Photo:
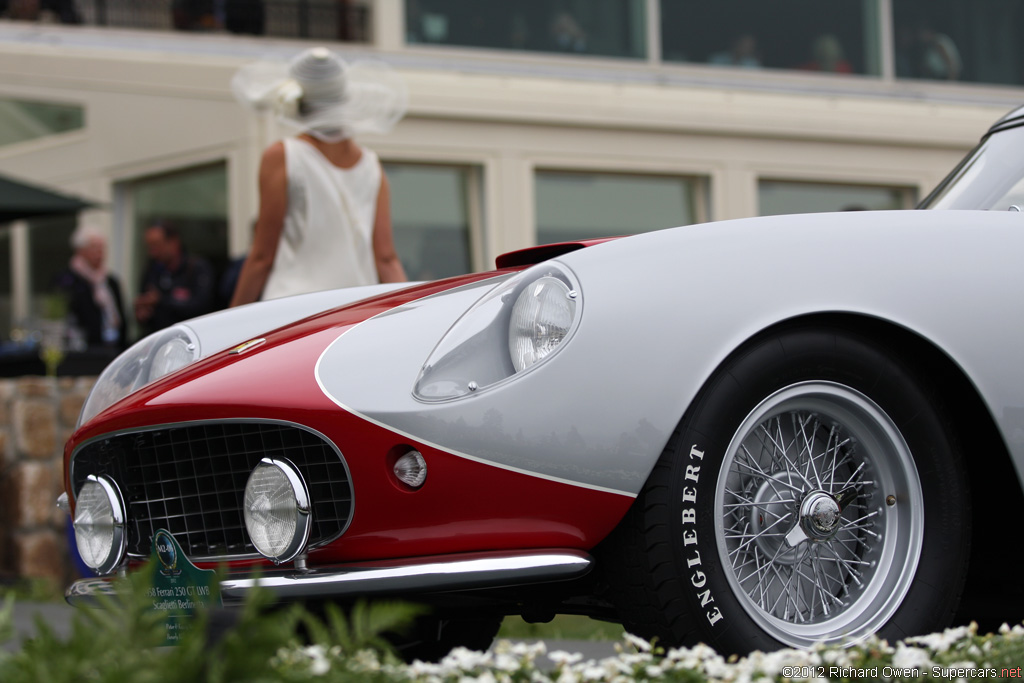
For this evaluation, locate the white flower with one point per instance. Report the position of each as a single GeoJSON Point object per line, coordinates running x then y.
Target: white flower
{"type": "Point", "coordinates": [318, 664]}
{"type": "Point", "coordinates": [463, 659]}
{"type": "Point", "coordinates": [286, 98]}
{"type": "Point", "coordinates": [911, 657]}
{"type": "Point", "coordinates": [563, 658]}
{"type": "Point", "coordinates": [363, 660]}
{"type": "Point", "coordinates": [637, 642]}
{"type": "Point", "coordinates": [485, 677]}
{"type": "Point", "coordinates": [940, 642]}
{"type": "Point", "coordinates": [568, 675]}
{"type": "Point", "coordinates": [529, 650]}
{"type": "Point", "coordinates": [506, 662]}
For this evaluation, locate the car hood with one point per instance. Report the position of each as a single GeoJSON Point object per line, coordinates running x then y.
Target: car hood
{"type": "Point", "coordinates": [224, 329]}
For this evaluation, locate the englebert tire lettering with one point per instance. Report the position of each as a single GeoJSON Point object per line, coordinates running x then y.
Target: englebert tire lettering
{"type": "Point", "coordinates": [811, 492]}
{"type": "Point", "coordinates": [689, 516]}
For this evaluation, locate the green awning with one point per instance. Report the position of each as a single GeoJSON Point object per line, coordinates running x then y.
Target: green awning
{"type": "Point", "coordinates": [20, 200]}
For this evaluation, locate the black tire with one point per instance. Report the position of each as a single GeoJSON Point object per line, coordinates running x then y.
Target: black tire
{"type": "Point", "coordinates": [730, 545]}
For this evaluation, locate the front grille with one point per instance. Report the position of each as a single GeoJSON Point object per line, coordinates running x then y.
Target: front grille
{"type": "Point", "coordinates": [190, 479]}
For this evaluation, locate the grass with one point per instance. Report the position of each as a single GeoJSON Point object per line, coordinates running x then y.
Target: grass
{"type": "Point", "coordinates": [32, 590]}
{"type": "Point", "coordinates": [562, 627]}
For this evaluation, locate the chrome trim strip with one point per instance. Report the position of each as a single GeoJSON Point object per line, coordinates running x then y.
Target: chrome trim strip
{"type": "Point", "coordinates": [246, 346]}
{"type": "Point", "coordinates": [480, 570]}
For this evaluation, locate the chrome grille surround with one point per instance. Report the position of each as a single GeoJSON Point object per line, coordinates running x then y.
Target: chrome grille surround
{"type": "Point", "coordinates": [189, 478]}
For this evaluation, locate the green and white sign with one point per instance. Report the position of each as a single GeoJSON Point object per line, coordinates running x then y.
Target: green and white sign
{"type": "Point", "coordinates": [179, 587]}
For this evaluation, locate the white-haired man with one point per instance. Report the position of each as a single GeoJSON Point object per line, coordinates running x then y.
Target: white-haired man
{"type": "Point", "coordinates": [93, 294]}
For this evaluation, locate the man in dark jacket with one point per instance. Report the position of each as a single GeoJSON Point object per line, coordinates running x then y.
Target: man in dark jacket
{"type": "Point", "coordinates": [176, 285]}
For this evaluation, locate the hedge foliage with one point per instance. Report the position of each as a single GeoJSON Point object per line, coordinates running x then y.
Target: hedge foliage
{"type": "Point", "coordinates": [122, 643]}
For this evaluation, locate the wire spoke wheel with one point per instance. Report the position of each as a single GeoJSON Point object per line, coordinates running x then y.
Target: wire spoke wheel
{"type": "Point", "coordinates": [819, 516]}
{"type": "Point", "coordinates": [813, 491]}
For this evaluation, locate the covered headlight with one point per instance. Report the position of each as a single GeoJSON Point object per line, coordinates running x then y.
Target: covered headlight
{"type": "Point", "coordinates": [277, 510]}
{"type": "Point", "coordinates": [99, 524]}
{"type": "Point", "coordinates": [159, 354]}
{"type": "Point", "coordinates": [512, 328]}
{"type": "Point", "coordinates": [541, 318]}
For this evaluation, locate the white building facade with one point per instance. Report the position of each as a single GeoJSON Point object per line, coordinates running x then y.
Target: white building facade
{"type": "Point", "coordinates": [514, 136]}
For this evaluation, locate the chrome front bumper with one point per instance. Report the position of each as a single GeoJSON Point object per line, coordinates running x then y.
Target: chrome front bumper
{"type": "Point", "coordinates": [397, 578]}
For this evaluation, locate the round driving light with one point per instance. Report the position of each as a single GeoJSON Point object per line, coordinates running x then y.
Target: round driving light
{"type": "Point", "coordinates": [277, 510]}
{"type": "Point", "coordinates": [99, 524]}
{"type": "Point", "coordinates": [541, 319]}
{"type": "Point", "coordinates": [411, 469]}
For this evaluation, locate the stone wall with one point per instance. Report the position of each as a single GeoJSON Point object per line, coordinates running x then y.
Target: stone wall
{"type": "Point", "coordinates": [37, 415]}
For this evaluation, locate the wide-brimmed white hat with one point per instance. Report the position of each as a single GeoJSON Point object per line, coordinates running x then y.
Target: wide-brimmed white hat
{"type": "Point", "coordinates": [319, 93]}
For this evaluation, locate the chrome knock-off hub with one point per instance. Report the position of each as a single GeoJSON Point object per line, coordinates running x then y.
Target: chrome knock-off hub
{"type": "Point", "coordinates": [819, 515]}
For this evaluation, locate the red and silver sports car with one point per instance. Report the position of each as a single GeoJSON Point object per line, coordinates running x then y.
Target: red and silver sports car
{"type": "Point", "coordinates": [762, 432]}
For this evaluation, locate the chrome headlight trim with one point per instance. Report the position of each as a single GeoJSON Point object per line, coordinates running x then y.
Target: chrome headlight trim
{"type": "Point", "coordinates": [159, 354]}
{"type": "Point", "coordinates": [119, 538]}
{"type": "Point", "coordinates": [476, 353]}
{"type": "Point", "coordinates": [303, 509]}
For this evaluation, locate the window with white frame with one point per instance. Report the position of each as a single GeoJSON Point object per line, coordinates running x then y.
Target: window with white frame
{"type": "Point", "coordinates": [436, 221]}
{"type": "Point", "coordinates": [43, 252]}
{"type": "Point", "coordinates": [22, 120]}
{"type": "Point", "coordinates": [840, 36]}
{"type": "Point", "coordinates": [49, 242]}
{"type": "Point", "coordinates": [777, 197]}
{"type": "Point", "coordinates": [6, 302]}
{"type": "Point", "coordinates": [194, 200]}
{"type": "Point", "coordinates": [609, 28]}
{"type": "Point", "coordinates": [572, 205]}
{"type": "Point", "coordinates": [959, 40]}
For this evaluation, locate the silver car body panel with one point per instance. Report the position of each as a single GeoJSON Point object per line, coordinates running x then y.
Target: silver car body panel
{"type": "Point", "coordinates": [225, 329]}
{"type": "Point", "coordinates": [662, 310]}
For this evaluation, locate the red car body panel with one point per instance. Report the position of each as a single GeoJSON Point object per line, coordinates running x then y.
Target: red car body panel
{"type": "Point", "coordinates": [464, 506]}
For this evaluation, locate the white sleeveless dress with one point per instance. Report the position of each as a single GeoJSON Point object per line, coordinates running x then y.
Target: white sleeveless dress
{"type": "Point", "coordinates": [327, 239]}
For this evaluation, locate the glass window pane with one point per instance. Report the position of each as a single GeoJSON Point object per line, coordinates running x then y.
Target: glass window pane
{"type": "Point", "coordinates": [430, 216]}
{"type": "Point", "coordinates": [346, 20]}
{"type": "Point", "coordinates": [49, 242]}
{"type": "Point", "coordinates": [777, 197]}
{"type": "Point", "coordinates": [572, 206]}
{"type": "Point", "coordinates": [610, 28]}
{"type": "Point", "coordinates": [957, 40]}
{"type": "Point", "coordinates": [195, 202]}
{"type": "Point", "coordinates": [839, 36]}
{"type": "Point", "coordinates": [6, 273]}
{"type": "Point", "coordinates": [22, 120]}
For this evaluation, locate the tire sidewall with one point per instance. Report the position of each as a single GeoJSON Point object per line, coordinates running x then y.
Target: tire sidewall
{"type": "Point", "coordinates": [707, 431]}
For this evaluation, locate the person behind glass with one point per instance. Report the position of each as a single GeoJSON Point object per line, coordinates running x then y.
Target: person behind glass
{"type": "Point", "coordinates": [742, 52]}
{"type": "Point", "coordinates": [46, 11]}
{"type": "Point", "coordinates": [176, 285]}
{"type": "Point", "coordinates": [566, 34]}
{"type": "Point", "coordinates": [324, 214]}
{"type": "Point", "coordinates": [93, 294]}
{"type": "Point", "coordinates": [939, 57]}
{"type": "Point", "coordinates": [827, 55]}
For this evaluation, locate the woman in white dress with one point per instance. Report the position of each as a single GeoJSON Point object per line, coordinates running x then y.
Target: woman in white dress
{"type": "Point", "coordinates": [324, 220]}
